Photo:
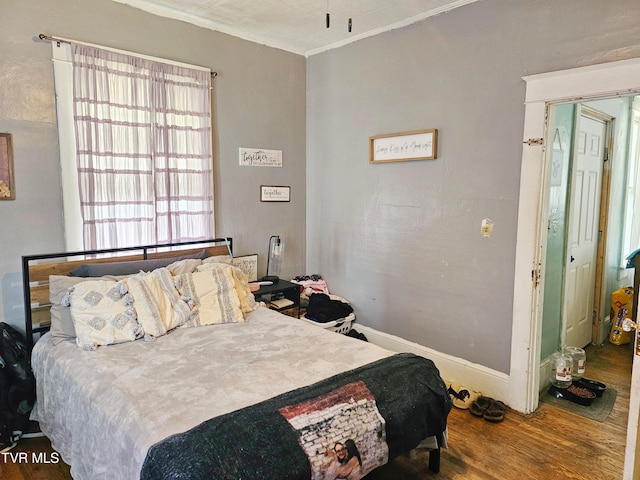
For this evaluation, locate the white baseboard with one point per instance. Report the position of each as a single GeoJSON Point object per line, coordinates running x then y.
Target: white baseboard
{"type": "Point", "coordinates": [452, 369]}
{"type": "Point", "coordinates": [545, 374]}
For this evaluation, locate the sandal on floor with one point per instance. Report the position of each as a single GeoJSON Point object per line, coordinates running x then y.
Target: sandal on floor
{"type": "Point", "coordinates": [461, 397]}
{"type": "Point", "coordinates": [495, 412]}
{"type": "Point", "coordinates": [480, 406]}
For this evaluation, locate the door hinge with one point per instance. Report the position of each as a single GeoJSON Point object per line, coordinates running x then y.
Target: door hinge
{"type": "Point", "coordinates": [535, 276]}
{"type": "Point", "coordinates": [533, 141]}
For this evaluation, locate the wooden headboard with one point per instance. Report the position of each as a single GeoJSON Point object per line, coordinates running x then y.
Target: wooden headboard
{"type": "Point", "coordinates": [37, 268]}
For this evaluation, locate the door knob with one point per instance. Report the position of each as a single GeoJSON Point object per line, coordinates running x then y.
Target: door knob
{"type": "Point", "coordinates": [572, 258]}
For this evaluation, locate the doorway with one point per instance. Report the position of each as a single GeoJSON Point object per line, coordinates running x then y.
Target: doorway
{"type": "Point", "coordinates": [615, 79]}
{"type": "Point", "coordinates": [578, 266]}
{"type": "Point", "coordinates": [584, 248]}
{"type": "Point", "coordinates": [579, 85]}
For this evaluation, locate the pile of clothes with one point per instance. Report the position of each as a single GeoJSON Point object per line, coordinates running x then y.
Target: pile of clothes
{"type": "Point", "coordinates": [310, 284]}
{"type": "Point", "coordinates": [322, 308]}
{"type": "Point", "coordinates": [314, 296]}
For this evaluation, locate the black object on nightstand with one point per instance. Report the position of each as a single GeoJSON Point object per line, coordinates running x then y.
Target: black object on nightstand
{"type": "Point", "coordinates": [280, 290]}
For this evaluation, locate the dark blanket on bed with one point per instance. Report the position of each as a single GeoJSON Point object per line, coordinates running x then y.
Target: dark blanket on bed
{"type": "Point", "coordinates": [293, 436]}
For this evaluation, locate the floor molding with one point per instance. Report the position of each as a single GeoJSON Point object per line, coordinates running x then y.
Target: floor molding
{"type": "Point", "coordinates": [452, 369]}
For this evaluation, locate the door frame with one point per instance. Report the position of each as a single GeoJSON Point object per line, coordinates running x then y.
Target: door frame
{"type": "Point", "coordinates": [608, 80]}
{"type": "Point", "coordinates": [603, 225]}
{"type": "Point", "coordinates": [632, 450]}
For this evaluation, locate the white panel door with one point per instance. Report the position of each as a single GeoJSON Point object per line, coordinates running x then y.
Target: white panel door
{"type": "Point", "coordinates": [582, 241]}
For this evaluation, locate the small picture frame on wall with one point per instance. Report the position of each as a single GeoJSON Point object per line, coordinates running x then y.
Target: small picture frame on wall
{"type": "Point", "coordinates": [7, 187]}
{"type": "Point", "coordinates": [275, 193]}
{"type": "Point", "coordinates": [248, 264]}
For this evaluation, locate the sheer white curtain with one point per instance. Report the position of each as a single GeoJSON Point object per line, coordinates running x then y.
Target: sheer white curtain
{"type": "Point", "coordinates": [143, 146]}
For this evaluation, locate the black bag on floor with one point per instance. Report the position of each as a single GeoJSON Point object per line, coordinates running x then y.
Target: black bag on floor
{"type": "Point", "coordinates": [17, 385]}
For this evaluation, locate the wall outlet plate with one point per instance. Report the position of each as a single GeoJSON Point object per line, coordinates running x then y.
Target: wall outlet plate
{"type": "Point", "coordinates": [486, 227]}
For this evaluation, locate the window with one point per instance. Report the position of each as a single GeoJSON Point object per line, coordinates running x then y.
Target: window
{"type": "Point", "coordinates": [135, 147]}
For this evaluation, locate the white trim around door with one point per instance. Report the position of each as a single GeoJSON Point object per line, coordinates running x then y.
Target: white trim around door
{"type": "Point", "coordinates": [615, 79]}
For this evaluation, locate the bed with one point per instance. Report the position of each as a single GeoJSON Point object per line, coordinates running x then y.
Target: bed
{"type": "Point", "coordinates": [263, 395]}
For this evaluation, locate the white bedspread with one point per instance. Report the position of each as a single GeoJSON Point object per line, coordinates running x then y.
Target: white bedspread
{"type": "Point", "coordinates": [102, 410]}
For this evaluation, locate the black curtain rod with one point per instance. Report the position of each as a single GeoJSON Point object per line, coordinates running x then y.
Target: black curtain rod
{"type": "Point", "coordinates": [58, 41]}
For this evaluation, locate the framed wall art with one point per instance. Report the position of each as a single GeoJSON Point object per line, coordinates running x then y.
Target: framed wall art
{"type": "Point", "coordinates": [260, 157]}
{"type": "Point", "coordinates": [7, 187]}
{"type": "Point", "coordinates": [275, 193]}
{"type": "Point", "coordinates": [404, 147]}
{"type": "Point", "coordinates": [248, 264]}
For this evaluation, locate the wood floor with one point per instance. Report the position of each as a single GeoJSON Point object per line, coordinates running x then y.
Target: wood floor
{"type": "Point", "coordinates": [547, 444]}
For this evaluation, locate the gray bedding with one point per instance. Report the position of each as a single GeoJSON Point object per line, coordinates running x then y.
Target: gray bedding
{"type": "Point", "coordinates": [104, 409]}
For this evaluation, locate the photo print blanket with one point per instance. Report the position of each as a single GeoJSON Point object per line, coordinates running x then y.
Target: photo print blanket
{"type": "Point", "coordinates": [339, 428]}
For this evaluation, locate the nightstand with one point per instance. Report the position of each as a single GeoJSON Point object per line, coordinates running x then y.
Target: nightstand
{"type": "Point", "coordinates": [281, 289]}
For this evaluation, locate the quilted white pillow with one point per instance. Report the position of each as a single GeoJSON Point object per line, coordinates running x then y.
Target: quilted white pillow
{"type": "Point", "coordinates": [157, 303]}
{"type": "Point", "coordinates": [102, 314]}
{"type": "Point", "coordinates": [240, 283]}
{"type": "Point", "coordinates": [211, 295]}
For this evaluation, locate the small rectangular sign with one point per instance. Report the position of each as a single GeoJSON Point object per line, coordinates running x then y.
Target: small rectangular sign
{"type": "Point", "coordinates": [273, 193]}
{"type": "Point", "coordinates": [260, 157]}
{"type": "Point", "coordinates": [403, 147]}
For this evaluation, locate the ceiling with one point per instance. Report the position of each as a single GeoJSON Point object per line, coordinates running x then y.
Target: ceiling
{"type": "Point", "coordinates": [298, 26]}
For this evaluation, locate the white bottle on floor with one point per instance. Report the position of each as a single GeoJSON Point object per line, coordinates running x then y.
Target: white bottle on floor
{"type": "Point", "coordinates": [562, 365]}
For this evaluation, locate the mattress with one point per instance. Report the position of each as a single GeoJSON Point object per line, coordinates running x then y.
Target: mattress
{"type": "Point", "coordinates": [104, 409]}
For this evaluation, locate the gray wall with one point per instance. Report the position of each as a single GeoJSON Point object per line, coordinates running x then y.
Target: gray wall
{"type": "Point", "coordinates": [259, 101]}
{"type": "Point", "coordinates": [402, 240]}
